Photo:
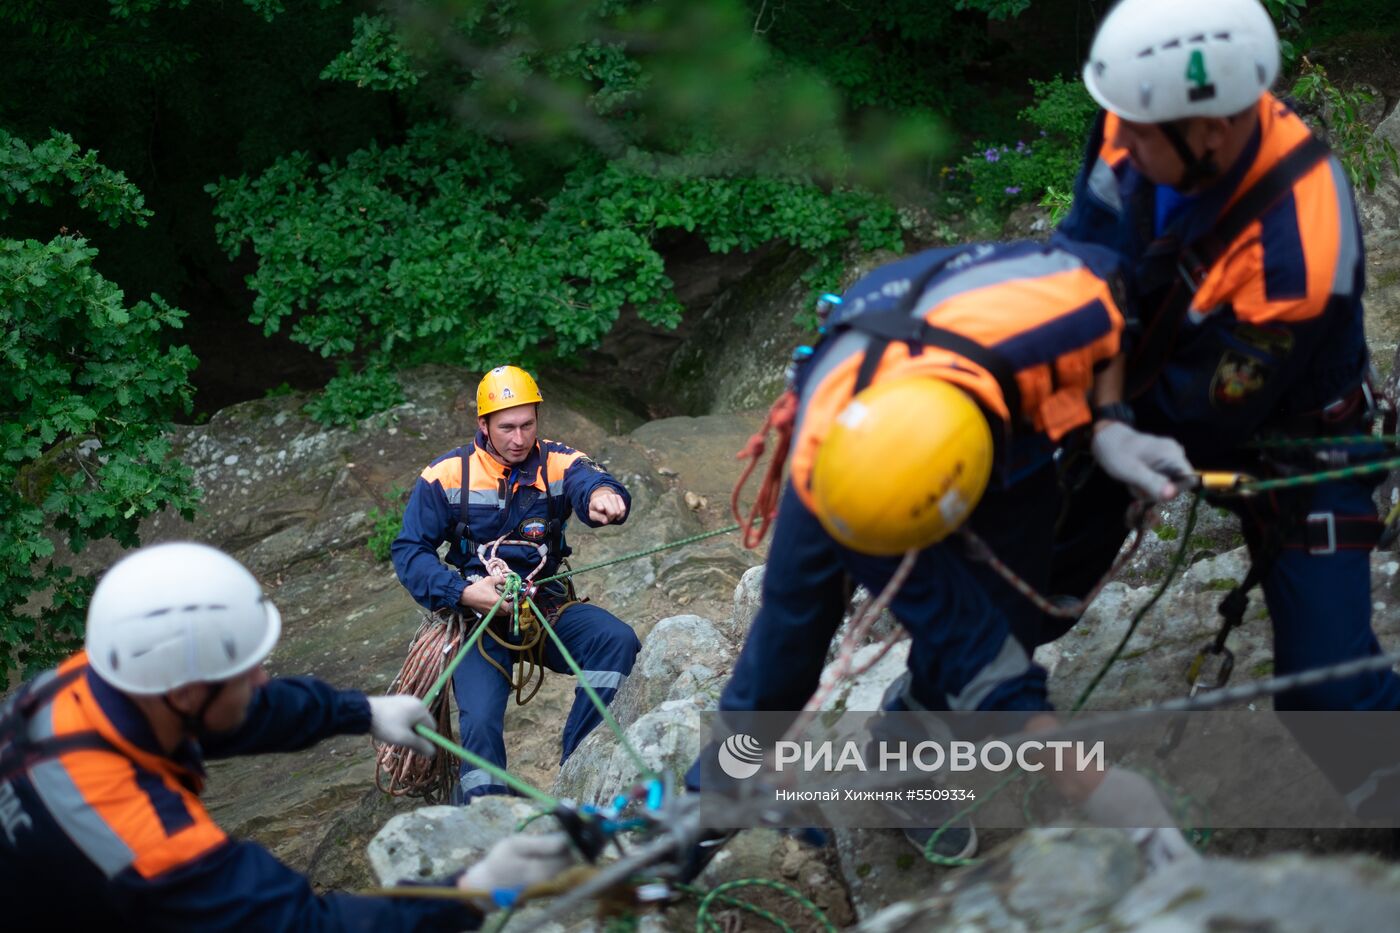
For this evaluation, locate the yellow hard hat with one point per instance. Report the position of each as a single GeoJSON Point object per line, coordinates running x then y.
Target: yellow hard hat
{"type": "Point", "coordinates": [903, 465]}
{"type": "Point", "coordinates": [505, 387]}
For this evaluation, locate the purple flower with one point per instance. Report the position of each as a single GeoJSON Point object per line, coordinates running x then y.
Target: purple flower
{"type": "Point", "coordinates": [1014, 189]}
{"type": "Point", "coordinates": [1021, 145]}
{"type": "Point", "coordinates": [991, 155]}
{"type": "Point", "coordinates": [1043, 133]}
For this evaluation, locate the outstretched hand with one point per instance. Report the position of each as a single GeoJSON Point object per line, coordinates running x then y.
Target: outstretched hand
{"type": "Point", "coordinates": [606, 507]}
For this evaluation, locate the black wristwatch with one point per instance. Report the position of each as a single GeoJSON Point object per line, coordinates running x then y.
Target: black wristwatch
{"type": "Point", "coordinates": [1115, 411]}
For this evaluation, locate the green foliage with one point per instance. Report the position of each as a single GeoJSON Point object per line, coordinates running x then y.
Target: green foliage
{"type": "Point", "coordinates": [1349, 18]}
{"type": "Point", "coordinates": [435, 251]}
{"type": "Point", "coordinates": [1057, 201]}
{"type": "Point", "coordinates": [1367, 156]}
{"type": "Point", "coordinates": [1288, 18]}
{"type": "Point", "coordinates": [57, 166]}
{"type": "Point", "coordinates": [375, 58]}
{"type": "Point", "coordinates": [995, 9]}
{"type": "Point", "coordinates": [669, 77]}
{"type": "Point", "coordinates": [597, 138]}
{"type": "Point", "coordinates": [999, 176]}
{"type": "Point", "coordinates": [351, 396]}
{"type": "Point", "coordinates": [386, 523]}
{"type": "Point", "coordinates": [875, 53]}
{"type": "Point", "coordinates": [123, 9]}
{"type": "Point", "coordinates": [84, 406]}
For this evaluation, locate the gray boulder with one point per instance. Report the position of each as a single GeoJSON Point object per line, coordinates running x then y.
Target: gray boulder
{"type": "Point", "coordinates": [689, 645]}
{"type": "Point", "coordinates": [433, 842]}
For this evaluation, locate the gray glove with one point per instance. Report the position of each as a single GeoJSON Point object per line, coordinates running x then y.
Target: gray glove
{"type": "Point", "coordinates": [1148, 464]}
{"type": "Point", "coordinates": [1126, 799]}
{"type": "Point", "coordinates": [517, 862]}
{"type": "Point", "coordinates": [392, 718]}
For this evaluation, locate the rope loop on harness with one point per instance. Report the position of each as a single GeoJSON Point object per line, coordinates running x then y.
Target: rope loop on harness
{"type": "Point", "coordinates": [526, 632]}
{"type": "Point", "coordinates": [782, 415]}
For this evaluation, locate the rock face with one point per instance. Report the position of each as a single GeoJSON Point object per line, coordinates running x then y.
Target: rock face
{"type": "Point", "coordinates": [678, 673]}
{"type": "Point", "coordinates": [682, 655]}
{"type": "Point", "coordinates": [1068, 881]}
{"type": "Point", "coordinates": [433, 843]}
{"type": "Point", "coordinates": [1046, 880]}
{"type": "Point", "coordinates": [1380, 209]}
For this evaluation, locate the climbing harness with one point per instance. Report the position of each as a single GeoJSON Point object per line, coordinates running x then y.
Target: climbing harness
{"type": "Point", "coordinates": [18, 751]}
{"type": "Point", "coordinates": [1192, 262]}
{"type": "Point", "coordinates": [1319, 533]}
{"type": "Point", "coordinates": [526, 639]}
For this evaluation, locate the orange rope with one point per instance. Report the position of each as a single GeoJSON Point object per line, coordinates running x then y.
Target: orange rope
{"type": "Point", "coordinates": [781, 417]}
{"type": "Point", "coordinates": [399, 771]}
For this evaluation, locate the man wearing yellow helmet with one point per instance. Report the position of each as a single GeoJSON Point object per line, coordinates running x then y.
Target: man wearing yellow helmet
{"type": "Point", "coordinates": [936, 398]}
{"type": "Point", "coordinates": [509, 494]}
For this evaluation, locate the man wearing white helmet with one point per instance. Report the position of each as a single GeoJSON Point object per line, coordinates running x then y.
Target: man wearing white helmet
{"type": "Point", "coordinates": [1245, 326]}
{"type": "Point", "coordinates": [102, 765]}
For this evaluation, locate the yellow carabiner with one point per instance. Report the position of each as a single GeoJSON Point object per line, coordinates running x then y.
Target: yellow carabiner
{"type": "Point", "coordinates": [1222, 480]}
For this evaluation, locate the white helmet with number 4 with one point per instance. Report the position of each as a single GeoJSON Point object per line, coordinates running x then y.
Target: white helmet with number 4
{"type": "Point", "coordinates": [1154, 61]}
{"type": "Point", "coordinates": [175, 614]}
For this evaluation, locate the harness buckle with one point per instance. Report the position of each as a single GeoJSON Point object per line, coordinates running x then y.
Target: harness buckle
{"type": "Point", "coordinates": [1326, 521]}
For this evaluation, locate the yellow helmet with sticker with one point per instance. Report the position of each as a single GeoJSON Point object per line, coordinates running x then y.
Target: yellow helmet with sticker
{"type": "Point", "coordinates": [903, 466]}
{"type": "Point", "coordinates": [506, 387]}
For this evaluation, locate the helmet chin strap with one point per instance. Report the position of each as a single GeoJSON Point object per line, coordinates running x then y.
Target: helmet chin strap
{"type": "Point", "coordinates": [193, 723]}
{"type": "Point", "coordinates": [1198, 169]}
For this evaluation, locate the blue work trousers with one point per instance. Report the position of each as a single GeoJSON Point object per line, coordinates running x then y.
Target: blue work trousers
{"type": "Point", "coordinates": [604, 647]}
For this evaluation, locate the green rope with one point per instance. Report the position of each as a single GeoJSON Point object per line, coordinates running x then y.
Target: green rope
{"type": "Point", "coordinates": [512, 591]}
{"type": "Point", "coordinates": [588, 689]}
{"type": "Point", "coordinates": [1185, 803]}
{"type": "Point", "coordinates": [647, 553]}
{"type": "Point", "coordinates": [625, 923]}
{"type": "Point", "coordinates": [502, 919]}
{"type": "Point", "coordinates": [1342, 440]}
{"type": "Point", "coordinates": [496, 771]}
{"type": "Point", "coordinates": [704, 923]}
{"type": "Point", "coordinates": [1178, 559]}
{"type": "Point", "coordinates": [1311, 479]}
{"type": "Point", "coordinates": [512, 586]}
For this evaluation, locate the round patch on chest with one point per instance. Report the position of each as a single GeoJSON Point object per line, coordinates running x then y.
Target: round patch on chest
{"type": "Point", "coordinates": [533, 529]}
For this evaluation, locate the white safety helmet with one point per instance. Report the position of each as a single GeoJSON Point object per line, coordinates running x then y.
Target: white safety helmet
{"type": "Point", "coordinates": [176, 614]}
{"type": "Point", "coordinates": [1154, 61]}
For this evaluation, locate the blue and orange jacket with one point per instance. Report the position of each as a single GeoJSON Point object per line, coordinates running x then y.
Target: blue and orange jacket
{"type": "Point", "coordinates": [112, 833]}
{"type": "Point", "coordinates": [1049, 313]}
{"type": "Point", "coordinates": [1274, 332]}
{"type": "Point", "coordinates": [519, 502]}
